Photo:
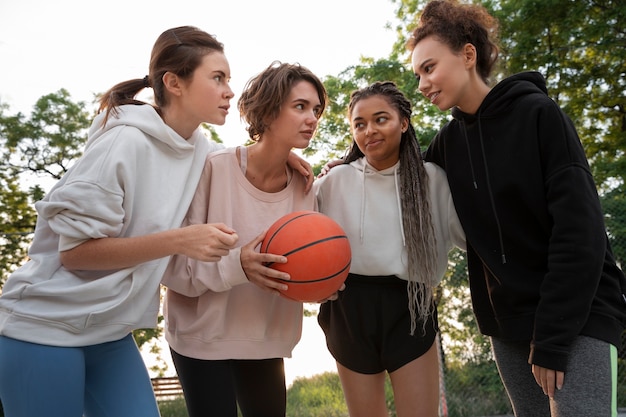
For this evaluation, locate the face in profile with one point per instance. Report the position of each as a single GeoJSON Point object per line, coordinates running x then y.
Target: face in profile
{"type": "Point", "coordinates": [209, 92]}
{"type": "Point", "coordinates": [442, 73]}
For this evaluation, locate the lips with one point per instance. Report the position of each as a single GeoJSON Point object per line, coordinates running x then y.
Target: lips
{"type": "Point", "coordinates": [373, 143]}
{"type": "Point", "coordinates": [432, 97]}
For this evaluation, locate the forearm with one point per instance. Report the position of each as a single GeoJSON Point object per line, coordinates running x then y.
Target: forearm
{"type": "Point", "coordinates": [117, 253]}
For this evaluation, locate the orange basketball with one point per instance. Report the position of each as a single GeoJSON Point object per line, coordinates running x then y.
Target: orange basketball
{"type": "Point", "coordinates": [317, 250]}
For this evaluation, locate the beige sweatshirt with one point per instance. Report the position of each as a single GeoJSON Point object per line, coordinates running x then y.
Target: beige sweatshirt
{"type": "Point", "coordinates": [211, 310]}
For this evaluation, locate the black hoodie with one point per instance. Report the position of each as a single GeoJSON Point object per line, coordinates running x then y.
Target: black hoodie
{"type": "Point", "coordinates": [540, 266]}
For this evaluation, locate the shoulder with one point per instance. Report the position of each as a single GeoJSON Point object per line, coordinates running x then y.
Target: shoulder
{"type": "Point", "coordinates": [435, 172]}
{"type": "Point", "coordinates": [439, 189]}
{"type": "Point", "coordinates": [339, 177]}
{"type": "Point", "coordinates": [221, 156]}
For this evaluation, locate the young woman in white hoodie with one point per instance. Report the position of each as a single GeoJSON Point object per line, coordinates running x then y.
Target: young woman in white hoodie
{"type": "Point", "coordinates": [401, 222]}
{"type": "Point", "coordinates": [103, 238]}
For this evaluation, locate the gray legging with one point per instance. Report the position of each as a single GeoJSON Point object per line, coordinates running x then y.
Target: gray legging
{"type": "Point", "coordinates": [588, 388]}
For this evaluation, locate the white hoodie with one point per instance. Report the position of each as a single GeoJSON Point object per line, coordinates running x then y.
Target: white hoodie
{"type": "Point", "coordinates": [137, 176]}
{"type": "Point", "coordinates": [366, 203]}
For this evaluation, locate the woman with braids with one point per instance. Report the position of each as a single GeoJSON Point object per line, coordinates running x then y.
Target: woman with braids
{"type": "Point", "coordinates": [401, 223]}
{"type": "Point", "coordinates": [545, 286]}
{"type": "Point", "coordinates": [104, 236]}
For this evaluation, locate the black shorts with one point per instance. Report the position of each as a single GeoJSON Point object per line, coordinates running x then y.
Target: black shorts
{"type": "Point", "coordinates": [368, 328]}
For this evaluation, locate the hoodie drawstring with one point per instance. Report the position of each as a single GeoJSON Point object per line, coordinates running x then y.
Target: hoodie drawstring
{"type": "Point", "coordinates": [489, 191]}
{"type": "Point", "coordinates": [469, 154]}
{"type": "Point", "coordinates": [362, 219]}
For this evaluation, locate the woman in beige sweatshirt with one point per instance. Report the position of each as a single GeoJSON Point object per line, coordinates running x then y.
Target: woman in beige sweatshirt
{"type": "Point", "coordinates": [227, 326]}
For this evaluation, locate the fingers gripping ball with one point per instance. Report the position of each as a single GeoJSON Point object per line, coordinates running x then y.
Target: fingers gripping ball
{"type": "Point", "coordinates": [318, 254]}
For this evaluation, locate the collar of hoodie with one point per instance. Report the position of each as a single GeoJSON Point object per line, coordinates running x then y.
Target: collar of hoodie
{"type": "Point", "coordinates": [366, 169]}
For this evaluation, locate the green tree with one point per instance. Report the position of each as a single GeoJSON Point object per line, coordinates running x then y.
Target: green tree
{"type": "Point", "coordinates": [580, 46]}
{"type": "Point", "coordinates": [36, 147]}
{"type": "Point", "coordinates": [47, 142]}
{"type": "Point", "coordinates": [18, 220]}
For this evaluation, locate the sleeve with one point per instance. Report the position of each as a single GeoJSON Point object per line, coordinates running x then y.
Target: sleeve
{"type": "Point", "coordinates": [455, 230]}
{"type": "Point", "coordinates": [577, 242]}
{"type": "Point", "coordinates": [79, 211]}
{"type": "Point", "coordinates": [446, 224]}
{"type": "Point", "coordinates": [191, 277]}
{"type": "Point", "coordinates": [88, 202]}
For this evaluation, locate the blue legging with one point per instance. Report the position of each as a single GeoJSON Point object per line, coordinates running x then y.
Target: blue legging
{"type": "Point", "coordinates": [104, 380]}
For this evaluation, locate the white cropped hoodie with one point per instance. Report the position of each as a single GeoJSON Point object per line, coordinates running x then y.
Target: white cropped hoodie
{"type": "Point", "coordinates": [137, 176]}
{"type": "Point", "coordinates": [366, 203]}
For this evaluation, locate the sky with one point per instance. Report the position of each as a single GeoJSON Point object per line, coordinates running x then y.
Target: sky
{"type": "Point", "coordinates": [86, 46]}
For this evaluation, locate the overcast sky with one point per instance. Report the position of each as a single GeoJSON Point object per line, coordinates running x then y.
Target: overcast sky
{"type": "Point", "coordinates": [88, 46]}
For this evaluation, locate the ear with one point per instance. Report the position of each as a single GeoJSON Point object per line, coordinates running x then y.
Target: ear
{"type": "Point", "coordinates": [405, 125]}
{"type": "Point", "coordinates": [171, 82]}
{"type": "Point", "coordinates": [469, 54]}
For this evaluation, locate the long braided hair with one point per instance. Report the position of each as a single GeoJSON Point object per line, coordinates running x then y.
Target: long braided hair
{"type": "Point", "coordinates": [414, 200]}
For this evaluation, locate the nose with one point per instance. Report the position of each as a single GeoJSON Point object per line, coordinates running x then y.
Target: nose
{"type": "Point", "coordinates": [370, 129]}
{"type": "Point", "coordinates": [311, 119]}
{"type": "Point", "coordinates": [229, 92]}
{"type": "Point", "coordinates": [423, 85]}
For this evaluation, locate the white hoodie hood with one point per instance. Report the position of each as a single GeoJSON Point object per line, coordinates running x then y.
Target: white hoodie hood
{"type": "Point", "coordinates": [137, 176]}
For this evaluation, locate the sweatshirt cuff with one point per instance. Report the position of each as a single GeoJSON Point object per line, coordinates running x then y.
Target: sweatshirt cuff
{"type": "Point", "coordinates": [233, 271]}
{"type": "Point", "coordinates": [548, 359]}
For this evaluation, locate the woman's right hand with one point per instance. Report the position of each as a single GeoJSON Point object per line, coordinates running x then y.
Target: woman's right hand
{"type": "Point", "coordinates": [329, 165]}
{"type": "Point", "coordinates": [207, 242]}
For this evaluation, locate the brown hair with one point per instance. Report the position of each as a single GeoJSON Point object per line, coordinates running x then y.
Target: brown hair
{"type": "Point", "coordinates": [263, 95]}
{"type": "Point", "coordinates": [457, 24]}
{"type": "Point", "coordinates": [178, 50]}
{"type": "Point", "coordinates": [414, 199]}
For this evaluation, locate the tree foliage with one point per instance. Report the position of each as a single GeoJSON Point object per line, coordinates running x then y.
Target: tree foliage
{"type": "Point", "coordinates": [47, 142]}
{"type": "Point", "coordinates": [41, 145]}
{"type": "Point", "coordinates": [580, 47]}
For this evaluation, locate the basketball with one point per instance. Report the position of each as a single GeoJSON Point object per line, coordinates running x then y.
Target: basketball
{"type": "Point", "coordinates": [317, 251]}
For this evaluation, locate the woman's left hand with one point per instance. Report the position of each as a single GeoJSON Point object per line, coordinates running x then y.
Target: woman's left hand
{"type": "Point", "coordinates": [303, 167]}
{"type": "Point", "coordinates": [548, 379]}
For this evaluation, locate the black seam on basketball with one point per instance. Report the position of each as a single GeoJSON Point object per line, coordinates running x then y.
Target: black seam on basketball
{"type": "Point", "coordinates": [288, 281]}
{"type": "Point", "coordinates": [308, 245]}
{"type": "Point", "coordinates": [285, 224]}
{"type": "Point", "coordinates": [305, 246]}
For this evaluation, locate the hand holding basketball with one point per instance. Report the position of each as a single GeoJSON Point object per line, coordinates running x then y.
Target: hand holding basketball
{"type": "Point", "coordinates": [254, 265]}
{"type": "Point", "coordinates": [317, 251]}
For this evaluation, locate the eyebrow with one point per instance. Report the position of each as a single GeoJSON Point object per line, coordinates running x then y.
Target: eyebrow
{"type": "Point", "coordinates": [424, 62]}
{"type": "Point", "coordinates": [378, 113]}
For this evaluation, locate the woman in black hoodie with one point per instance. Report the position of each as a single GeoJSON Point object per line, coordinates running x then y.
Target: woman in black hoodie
{"type": "Point", "coordinates": [545, 286]}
